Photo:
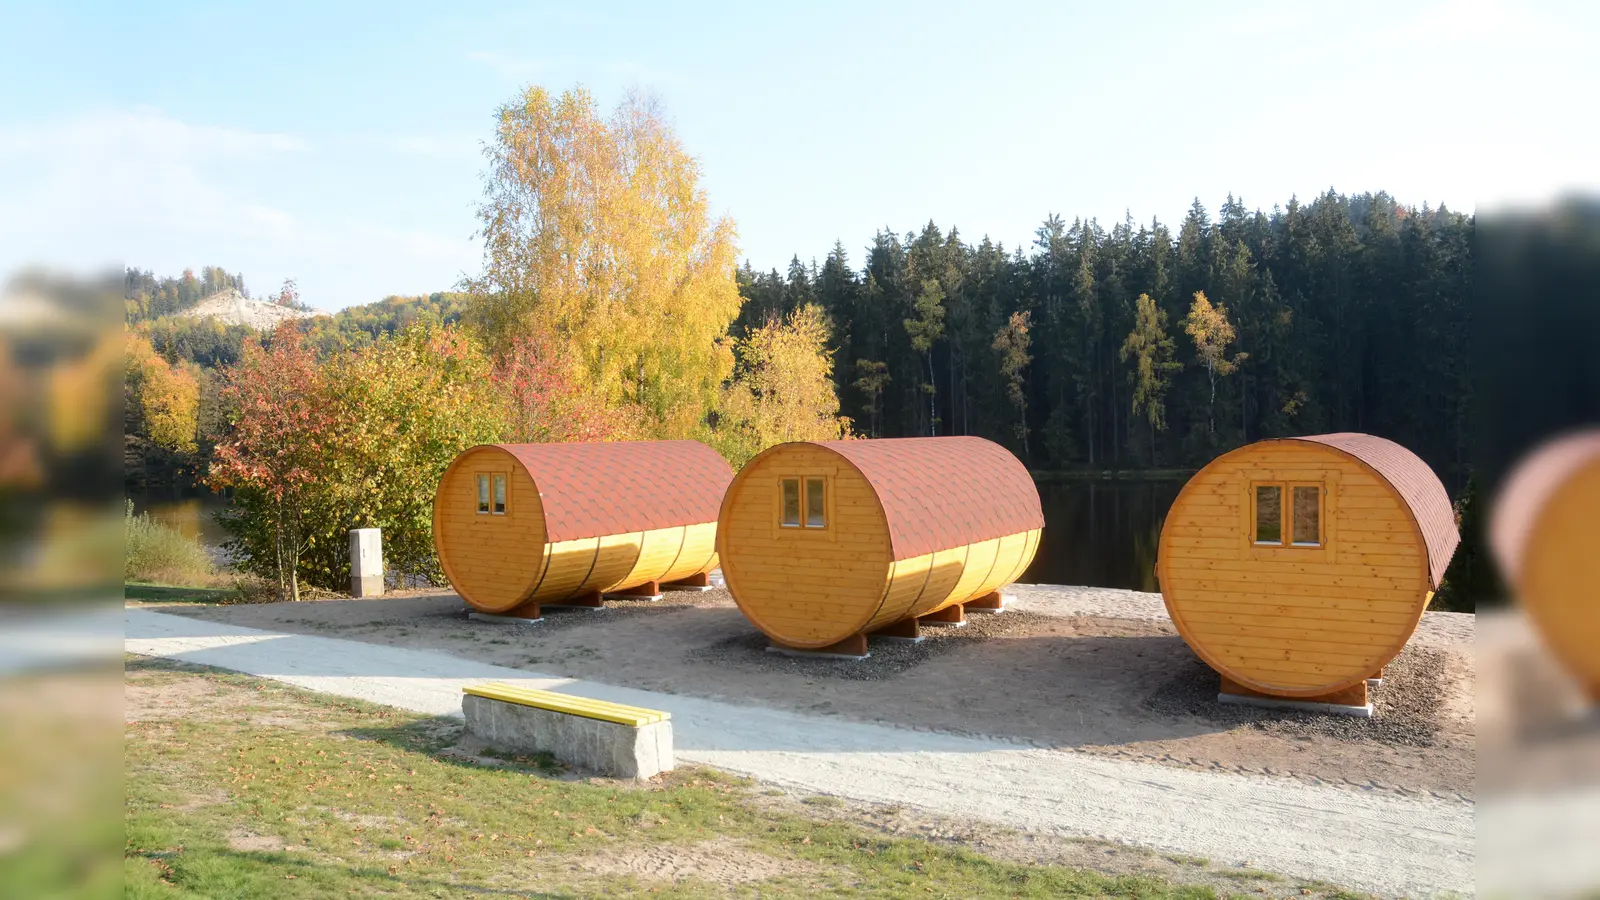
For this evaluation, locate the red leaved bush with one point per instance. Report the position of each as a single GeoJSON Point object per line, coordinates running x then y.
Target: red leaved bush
{"type": "Point", "coordinates": [280, 424]}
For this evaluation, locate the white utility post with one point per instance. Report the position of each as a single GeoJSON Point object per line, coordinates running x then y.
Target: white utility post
{"type": "Point", "coordinates": [366, 562]}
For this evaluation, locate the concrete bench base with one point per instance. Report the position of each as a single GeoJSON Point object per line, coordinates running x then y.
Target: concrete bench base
{"type": "Point", "coordinates": [606, 748]}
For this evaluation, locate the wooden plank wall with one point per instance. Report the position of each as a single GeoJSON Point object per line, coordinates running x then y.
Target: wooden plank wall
{"type": "Point", "coordinates": [1559, 571]}
{"type": "Point", "coordinates": [500, 562]}
{"type": "Point", "coordinates": [492, 561]}
{"type": "Point", "coordinates": [807, 588]}
{"type": "Point", "coordinates": [1289, 620]}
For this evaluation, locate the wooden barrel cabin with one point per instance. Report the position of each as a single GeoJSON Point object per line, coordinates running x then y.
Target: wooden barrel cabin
{"type": "Point", "coordinates": [825, 542]}
{"type": "Point", "coordinates": [1299, 567]}
{"type": "Point", "coordinates": [1546, 543]}
{"type": "Point", "coordinates": [518, 526]}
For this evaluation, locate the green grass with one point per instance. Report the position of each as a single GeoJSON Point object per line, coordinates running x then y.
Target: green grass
{"type": "Point", "coordinates": [243, 788]}
{"type": "Point", "coordinates": [134, 590]}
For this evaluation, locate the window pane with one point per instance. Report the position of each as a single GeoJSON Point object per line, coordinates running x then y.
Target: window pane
{"type": "Point", "coordinates": [1307, 515]}
{"type": "Point", "coordinates": [500, 494]}
{"type": "Point", "coordinates": [791, 502]}
{"type": "Point", "coordinates": [1269, 514]}
{"type": "Point", "coordinates": [814, 507]}
{"type": "Point", "coordinates": [483, 493]}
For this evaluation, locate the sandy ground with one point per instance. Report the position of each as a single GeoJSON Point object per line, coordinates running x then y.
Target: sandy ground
{"type": "Point", "coordinates": [1368, 839]}
{"type": "Point", "coordinates": [1094, 670]}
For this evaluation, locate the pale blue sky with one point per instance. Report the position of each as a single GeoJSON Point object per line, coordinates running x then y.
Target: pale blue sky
{"type": "Point", "coordinates": [338, 143]}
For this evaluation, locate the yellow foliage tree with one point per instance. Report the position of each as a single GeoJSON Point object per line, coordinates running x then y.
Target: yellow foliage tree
{"type": "Point", "coordinates": [1211, 331]}
{"type": "Point", "coordinates": [782, 389]}
{"type": "Point", "coordinates": [597, 233]}
{"type": "Point", "coordinates": [168, 396]}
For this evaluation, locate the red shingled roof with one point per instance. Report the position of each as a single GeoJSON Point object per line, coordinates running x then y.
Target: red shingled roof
{"type": "Point", "coordinates": [1524, 493]}
{"type": "Point", "coordinates": [944, 492]}
{"type": "Point", "coordinates": [1417, 485]}
{"type": "Point", "coordinates": [620, 487]}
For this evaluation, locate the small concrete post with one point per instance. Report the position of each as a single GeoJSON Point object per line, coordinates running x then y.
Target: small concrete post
{"type": "Point", "coordinates": [366, 562]}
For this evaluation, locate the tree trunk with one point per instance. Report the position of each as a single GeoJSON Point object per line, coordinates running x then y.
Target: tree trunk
{"type": "Point", "coordinates": [277, 538]}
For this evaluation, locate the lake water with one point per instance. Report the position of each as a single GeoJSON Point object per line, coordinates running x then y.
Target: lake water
{"type": "Point", "coordinates": [1097, 533]}
{"type": "Point", "coordinates": [191, 511]}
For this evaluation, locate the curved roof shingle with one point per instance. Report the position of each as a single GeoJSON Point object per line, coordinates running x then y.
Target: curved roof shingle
{"type": "Point", "coordinates": [943, 492]}
{"type": "Point", "coordinates": [1416, 484]}
{"type": "Point", "coordinates": [1525, 491]}
{"type": "Point", "coordinates": [619, 487]}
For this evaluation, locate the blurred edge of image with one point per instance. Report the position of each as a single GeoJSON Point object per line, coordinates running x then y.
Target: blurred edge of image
{"type": "Point", "coordinates": [1536, 360]}
{"type": "Point", "coordinates": [61, 362]}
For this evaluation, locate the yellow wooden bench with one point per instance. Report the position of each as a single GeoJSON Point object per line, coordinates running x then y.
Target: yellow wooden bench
{"type": "Point", "coordinates": [604, 710]}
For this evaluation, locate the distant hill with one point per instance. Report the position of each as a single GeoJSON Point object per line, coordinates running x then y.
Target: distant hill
{"type": "Point", "coordinates": [231, 307]}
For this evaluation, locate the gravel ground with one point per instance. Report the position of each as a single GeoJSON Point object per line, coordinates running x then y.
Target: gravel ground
{"type": "Point", "coordinates": [1405, 708]}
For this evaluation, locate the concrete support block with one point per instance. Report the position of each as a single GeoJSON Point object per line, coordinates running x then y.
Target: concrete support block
{"type": "Point", "coordinates": [1338, 709]}
{"type": "Point", "coordinates": [605, 748]}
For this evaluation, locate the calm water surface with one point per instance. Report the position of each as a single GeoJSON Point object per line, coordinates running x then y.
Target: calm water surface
{"type": "Point", "coordinates": [1100, 534]}
{"type": "Point", "coordinates": [192, 511]}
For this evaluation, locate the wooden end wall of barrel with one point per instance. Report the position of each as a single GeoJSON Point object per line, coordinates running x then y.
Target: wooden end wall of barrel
{"type": "Point", "coordinates": [519, 525]}
{"type": "Point", "coordinates": [1545, 537]}
{"type": "Point", "coordinates": [825, 542]}
{"type": "Point", "coordinates": [1299, 567]}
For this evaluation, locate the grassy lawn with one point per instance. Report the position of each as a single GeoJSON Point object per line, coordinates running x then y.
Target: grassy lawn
{"type": "Point", "coordinates": [172, 593]}
{"type": "Point", "coordinates": [243, 788]}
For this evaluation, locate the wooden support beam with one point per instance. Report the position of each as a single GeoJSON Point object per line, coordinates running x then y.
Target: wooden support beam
{"type": "Point", "coordinates": [903, 630]}
{"type": "Point", "coordinates": [527, 612]}
{"type": "Point", "coordinates": [852, 647]}
{"type": "Point", "coordinates": [702, 579]}
{"type": "Point", "coordinates": [991, 602]}
{"type": "Point", "coordinates": [952, 615]}
{"type": "Point", "coordinates": [587, 600]}
{"type": "Point", "coordinates": [650, 590]}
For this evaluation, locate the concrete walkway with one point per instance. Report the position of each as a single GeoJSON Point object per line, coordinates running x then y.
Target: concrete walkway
{"type": "Point", "coordinates": [1373, 842]}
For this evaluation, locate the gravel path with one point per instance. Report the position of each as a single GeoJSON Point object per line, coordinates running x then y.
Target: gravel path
{"type": "Point", "coordinates": [1451, 630]}
{"type": "Point", "coordinates": [1364, 840]}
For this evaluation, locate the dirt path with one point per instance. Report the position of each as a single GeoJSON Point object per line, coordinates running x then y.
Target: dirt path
{"type": "Point", "coordinates": [1094, 670]}
{"type": "Point", "coordinates": [1363, 839]}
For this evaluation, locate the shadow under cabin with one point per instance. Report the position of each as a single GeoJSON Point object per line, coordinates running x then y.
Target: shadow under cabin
{"type": "Point", "coordinates": [826, 543]}
{"type": "Point", "coordinates": [1298, 568]}
{"type": "Point", "coordinates": [522, 526]}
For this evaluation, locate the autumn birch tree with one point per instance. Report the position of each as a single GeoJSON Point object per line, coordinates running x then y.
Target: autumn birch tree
{"type": "Point", "coordinates": [1152, 349]}
{"type": "Point", "coordinates": [1211, 331]}
{"type": "Point", "coordinates": [925, 329]}
{"type": "Point", "coordinates": [597, 233]}
{"type": "Point", "coordinates": [782, 389]}
{"type": "Point", "coordinates": [1011, 342]}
